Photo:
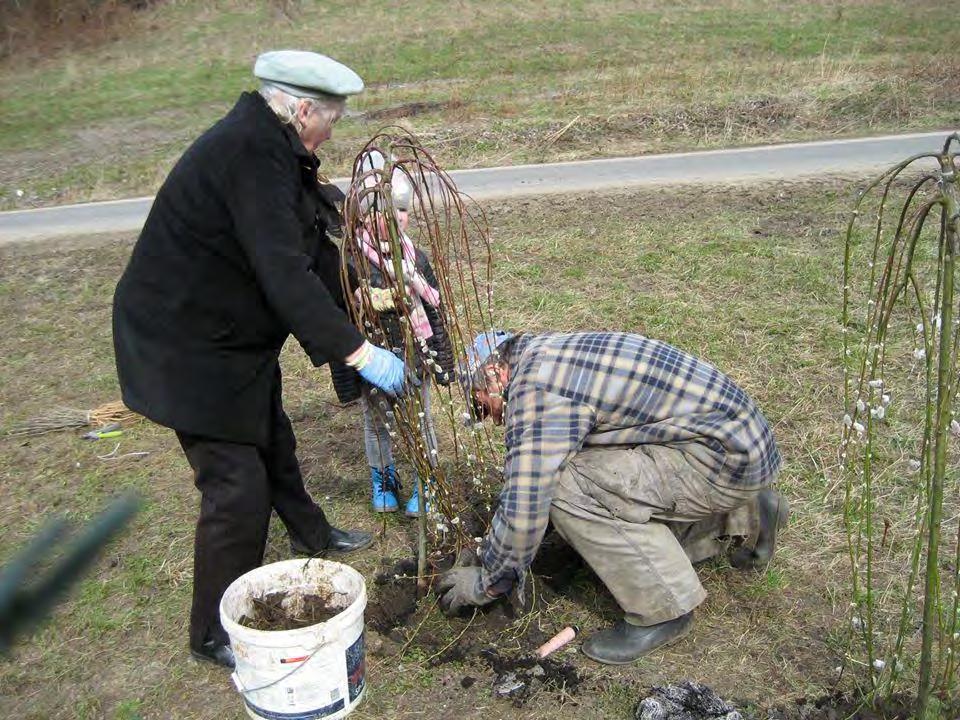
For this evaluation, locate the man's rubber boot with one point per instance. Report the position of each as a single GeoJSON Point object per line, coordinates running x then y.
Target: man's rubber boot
{"type": "Point", "coordinates": [774, 511]}
{"type": "Point", "coordinates": [625, 643]}
{"type": "Point", "coordinates": [413, 504]}
{"type": "Point", "coordinates": [384, 485]}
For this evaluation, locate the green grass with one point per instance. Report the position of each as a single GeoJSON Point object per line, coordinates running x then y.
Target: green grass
{"type": "Point", "coordinates": [773, 581]}
{"type": "Point", "coordinates": [128, 710]}
{"type": "Point", "coordinates": [748, 282]}
{"type": "Point", "coordinates": [505, 78]}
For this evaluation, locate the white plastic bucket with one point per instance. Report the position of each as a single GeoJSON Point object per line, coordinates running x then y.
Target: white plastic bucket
{"type": "Point", "coordinates": [306, 674]}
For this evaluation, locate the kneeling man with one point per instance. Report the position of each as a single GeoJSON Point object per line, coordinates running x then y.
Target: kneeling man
{"type": "Point", "coordinates": [646, 460]}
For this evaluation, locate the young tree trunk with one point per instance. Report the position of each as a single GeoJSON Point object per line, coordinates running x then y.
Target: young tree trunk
{"type": "Point", "coordinates": [925, 709]}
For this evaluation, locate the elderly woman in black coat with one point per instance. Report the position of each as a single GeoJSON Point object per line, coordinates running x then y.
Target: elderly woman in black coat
{"type": "Point", "coordinates": [234, 257]}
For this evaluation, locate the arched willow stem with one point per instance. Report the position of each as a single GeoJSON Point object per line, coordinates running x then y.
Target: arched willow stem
{"type": "Point", "coordinates": [910, 272]}
{"type": "Point", "coordinates": [453, 231]}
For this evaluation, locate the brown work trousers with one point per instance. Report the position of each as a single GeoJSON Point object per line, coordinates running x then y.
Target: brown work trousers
{"type": "Point", "coordinates": [641, 516]}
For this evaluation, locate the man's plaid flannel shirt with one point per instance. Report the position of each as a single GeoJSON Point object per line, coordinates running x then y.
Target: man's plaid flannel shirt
{"type": "Point", "coordinates": [570, 390]}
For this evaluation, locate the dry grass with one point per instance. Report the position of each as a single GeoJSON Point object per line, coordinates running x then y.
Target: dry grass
{"type": "Point", "coordinates": [744, 277]}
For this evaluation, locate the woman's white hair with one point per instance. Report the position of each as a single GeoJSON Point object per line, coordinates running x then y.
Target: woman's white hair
{"type": "Point", "coordinates": [285, 105]}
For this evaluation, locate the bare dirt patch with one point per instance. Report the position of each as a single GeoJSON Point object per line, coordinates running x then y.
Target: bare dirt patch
{"type": "Point", "coordinates": [410, 109]}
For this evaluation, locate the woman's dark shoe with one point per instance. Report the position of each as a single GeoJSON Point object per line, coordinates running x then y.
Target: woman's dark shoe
{"type": "Point", "coordinates": [346, 541]}
{"type": "Point", "coordinates": [624, 643]}
{"type": "Point", "coordinates": [341, 541]}
{"type": "Point", "coordinates": [216, 653]}
{"type": "Point", "coordinates": [774, 512]}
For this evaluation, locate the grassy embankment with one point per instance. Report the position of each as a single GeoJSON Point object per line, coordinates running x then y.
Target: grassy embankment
{"type": "Point", "coordinates": [486, 83]}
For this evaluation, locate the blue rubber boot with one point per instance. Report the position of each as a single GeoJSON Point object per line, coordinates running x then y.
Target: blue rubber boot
{"type": "Point", "coordinates": [413, 504]}
{"type": "Point", "coordinates": [384, 485]}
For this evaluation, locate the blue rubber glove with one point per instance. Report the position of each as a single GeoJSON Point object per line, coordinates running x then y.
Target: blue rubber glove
{"type": "Point", "coordinates": [381, 368]}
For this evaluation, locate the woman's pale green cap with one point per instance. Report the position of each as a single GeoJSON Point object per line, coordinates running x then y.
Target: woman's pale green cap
{"type": "Point", "coordinates": [307, 74]}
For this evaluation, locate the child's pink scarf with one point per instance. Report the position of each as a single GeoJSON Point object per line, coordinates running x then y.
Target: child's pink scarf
{"type": "Point", "coordinates": [418, 289]}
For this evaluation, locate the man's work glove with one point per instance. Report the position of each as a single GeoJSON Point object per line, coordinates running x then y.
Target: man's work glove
{"type": "Point", "coordinates": [379, 367]}
{"type": "Point", "coordinates": [460, 588]}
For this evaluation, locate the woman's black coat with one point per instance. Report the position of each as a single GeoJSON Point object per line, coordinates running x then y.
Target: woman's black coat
{"type": "Point", "coordinates": [233, 258]}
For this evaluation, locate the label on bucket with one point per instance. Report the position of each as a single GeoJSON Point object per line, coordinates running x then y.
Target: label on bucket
{"type": "Point", "coordinates": [356, 668]}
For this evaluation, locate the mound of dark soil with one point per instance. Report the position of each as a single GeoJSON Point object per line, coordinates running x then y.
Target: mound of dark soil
{"type": "Point", "coordinates": [395, 597]}
{"type": "Point", "coordinates": [518, 677]}
{"type": "Point", "coordinates": [394, 600]}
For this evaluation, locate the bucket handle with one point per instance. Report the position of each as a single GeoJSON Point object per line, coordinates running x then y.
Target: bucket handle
{"type": "Point", "coordinates": [238, 683]}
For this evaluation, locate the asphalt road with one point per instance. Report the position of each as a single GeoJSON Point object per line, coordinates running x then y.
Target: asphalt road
{"type": "Point", "coordinates": [772, 162]}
